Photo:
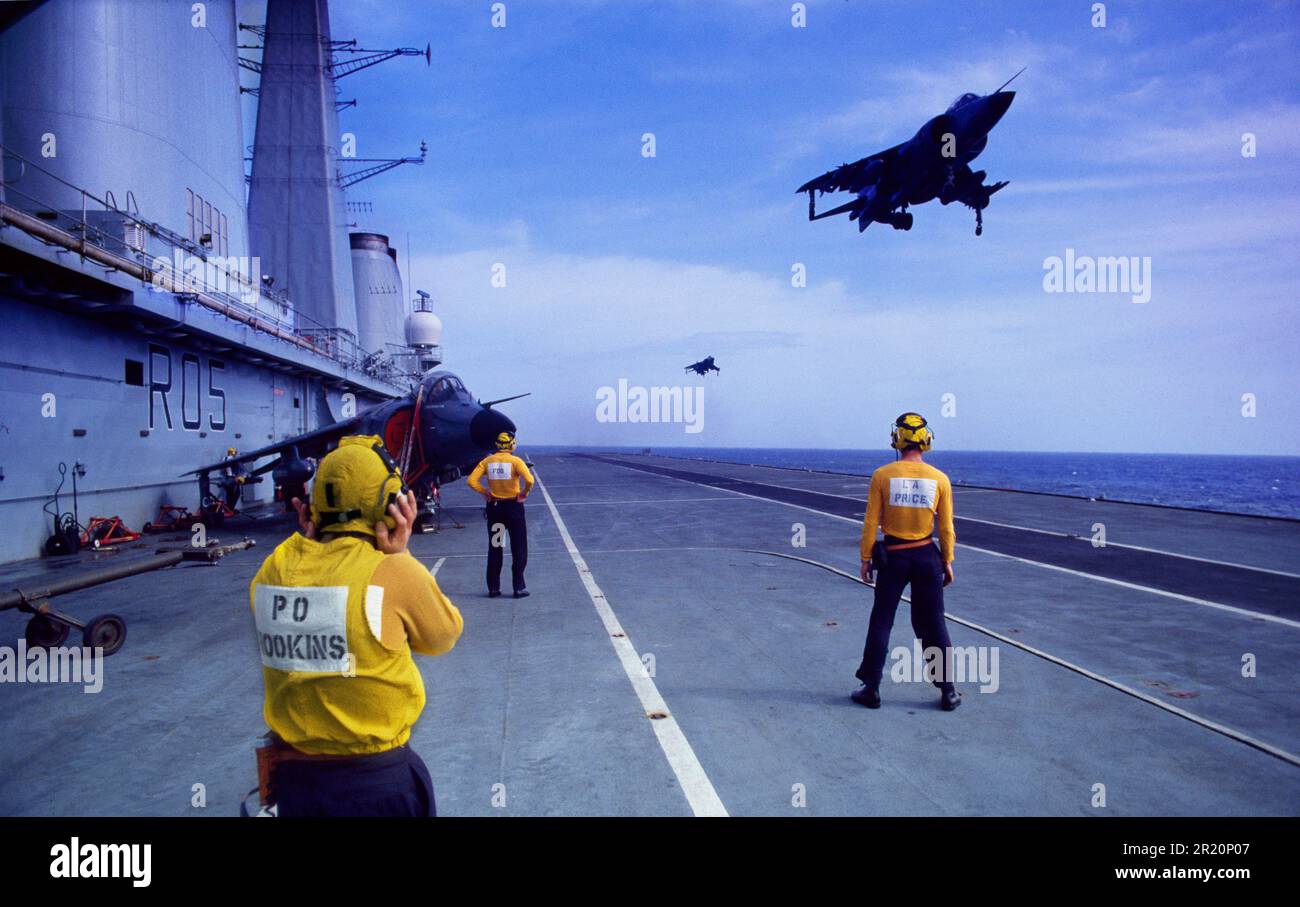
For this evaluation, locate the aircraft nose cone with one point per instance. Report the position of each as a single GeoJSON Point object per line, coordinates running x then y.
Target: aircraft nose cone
{"type": "Point", "coordinates": [998, 103]}
{"type": "Point", "coordinates": [486, 425]}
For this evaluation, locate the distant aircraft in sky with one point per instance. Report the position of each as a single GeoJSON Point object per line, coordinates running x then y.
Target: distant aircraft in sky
{"type": "Point", "coordinates": [932, 164]}
{"type": "Point", "coordinates": [703, 367]}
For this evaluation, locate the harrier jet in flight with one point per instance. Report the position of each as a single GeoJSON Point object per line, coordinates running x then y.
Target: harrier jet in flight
{"type": "Point", "coordinates": [703, 367]}
{"type": "Point", "coordinates": [934, 163]}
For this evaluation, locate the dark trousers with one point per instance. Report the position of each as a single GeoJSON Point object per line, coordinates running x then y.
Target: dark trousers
{"type": "Point", "coordinates": [510, 514]}
{"type": "Point", "coordinates": [923, 569]}
{"type": "Point", "coordinates": [392, 783]}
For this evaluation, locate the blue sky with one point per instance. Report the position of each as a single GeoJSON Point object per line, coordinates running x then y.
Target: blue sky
{"type": "Point", "coordinates": [1124, 140]}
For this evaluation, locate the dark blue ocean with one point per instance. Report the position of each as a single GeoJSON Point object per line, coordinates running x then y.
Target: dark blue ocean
{"type": "Point", "coordinates": [1268, 486]}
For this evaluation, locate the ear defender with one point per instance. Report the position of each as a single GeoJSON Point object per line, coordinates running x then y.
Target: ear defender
{"type": "Point", "coordinates": [911, 430]}
{"type": "Point", "coordinates": [390, 488]}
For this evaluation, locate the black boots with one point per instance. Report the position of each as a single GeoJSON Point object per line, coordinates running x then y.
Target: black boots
{"type": "Point", "coordinates": [867, 696]}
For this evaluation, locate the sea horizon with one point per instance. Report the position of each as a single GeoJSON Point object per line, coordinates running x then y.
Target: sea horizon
{"type": "Point", "coordinates": [1244, 484]}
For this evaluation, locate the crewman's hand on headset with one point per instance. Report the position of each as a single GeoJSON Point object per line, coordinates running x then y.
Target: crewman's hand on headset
{"type": "Point", "coordinates": [307, 527]}
{"type": "Point", "coordinates": [393, 541]}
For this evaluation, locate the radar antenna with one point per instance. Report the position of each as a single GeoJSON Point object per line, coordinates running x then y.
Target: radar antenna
{"type": "Point", "coordinates": [338, 68]}
{"type": "Point", "coordinates": [378, 165]}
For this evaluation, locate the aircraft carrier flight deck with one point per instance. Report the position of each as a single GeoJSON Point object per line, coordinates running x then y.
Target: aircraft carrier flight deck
{"type": "Point", "coordinates": [689, 648]}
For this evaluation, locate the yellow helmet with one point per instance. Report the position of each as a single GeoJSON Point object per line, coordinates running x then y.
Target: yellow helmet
{"type": "Point", "coordinates": [506, 440]}
{"type": "Point", "coordinates": [354, 485]}
{"type": "Point", "coordinates": [911, 430]}
{"type": "Point", "coordinates": [230, 452]}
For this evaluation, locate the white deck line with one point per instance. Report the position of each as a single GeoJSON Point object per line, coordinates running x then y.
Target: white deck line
{"type": "Point", "coordinates": [1215, 726]}
{"type": "Point", "coordinates": [695, 784]}
{"type": "Point", "coordinates": [1230, 609]}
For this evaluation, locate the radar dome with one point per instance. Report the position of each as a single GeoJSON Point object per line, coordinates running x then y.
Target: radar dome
{"type": "Point", "coordinates": [423, 330]}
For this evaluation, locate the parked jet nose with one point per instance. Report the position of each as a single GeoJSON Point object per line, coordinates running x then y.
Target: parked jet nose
{"type": "Point", "coordinates": [486, 425]}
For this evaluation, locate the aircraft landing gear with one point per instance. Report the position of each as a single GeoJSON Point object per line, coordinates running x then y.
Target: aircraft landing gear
{"type": "Point", "coordinates": [979, 221]}
{"type": "Point", "coordinates": [428, 514]}
{"type": "Point", "coordinates": [900, 221]}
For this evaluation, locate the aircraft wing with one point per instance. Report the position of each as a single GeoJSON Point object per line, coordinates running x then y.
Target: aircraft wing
{"type": "Point", "coordinates": [307, 443]}
{"type": "Point", "coordinates": [856, 176]}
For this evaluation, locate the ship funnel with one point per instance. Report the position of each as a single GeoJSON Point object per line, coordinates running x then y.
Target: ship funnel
{"type": "Point", "coordinates": [377, 285]}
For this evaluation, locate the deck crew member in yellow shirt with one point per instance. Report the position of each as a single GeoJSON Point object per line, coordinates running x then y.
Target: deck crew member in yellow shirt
{"type": "Point", "coordinates": [505, 512]}
{"type": "Point", "coordinates": [907, 499]}
{"type": "Point", "coordinates": [339, 610]}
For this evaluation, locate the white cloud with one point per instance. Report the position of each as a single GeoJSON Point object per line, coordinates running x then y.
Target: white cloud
{"type": "Point", "coordinates": [818, 366]}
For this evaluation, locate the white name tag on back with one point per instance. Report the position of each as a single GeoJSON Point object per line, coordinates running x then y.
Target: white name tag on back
{"type": "Point", "coordinates": [499, 471]}
{"type": "Point", "coordinates": [302, 628]}
{"type": "Point", "coordinates": [913, 493]}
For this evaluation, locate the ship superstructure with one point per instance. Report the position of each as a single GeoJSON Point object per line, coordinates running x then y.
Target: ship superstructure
{"type": "Point", "coordinates": [147, 324]}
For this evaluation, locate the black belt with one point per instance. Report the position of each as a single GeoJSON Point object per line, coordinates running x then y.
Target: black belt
{"type": "Point", "coordinates": [893, 543]}
{"type": "Point", "coordinates": [903, 546]}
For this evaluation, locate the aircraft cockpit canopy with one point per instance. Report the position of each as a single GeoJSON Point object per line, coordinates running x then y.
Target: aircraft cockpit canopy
{"type": "Point", "coordinates": [445, 388]}
{"type": "Point", "coordinates": [963, 101]}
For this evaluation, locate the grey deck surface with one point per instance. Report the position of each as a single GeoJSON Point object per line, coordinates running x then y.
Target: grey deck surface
{"type": "Point", "coordinates": [753, 654]}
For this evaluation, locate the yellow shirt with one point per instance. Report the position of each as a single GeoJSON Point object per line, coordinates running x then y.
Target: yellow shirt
{"type": "Point", "coordinates": [905, 498]}
{"type": "Point", "coordinates": [336, 623]}
{"type": "Point", "coordinates": [504, 470]}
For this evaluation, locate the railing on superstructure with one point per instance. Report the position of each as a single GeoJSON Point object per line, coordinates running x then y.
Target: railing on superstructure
{"type": "Point", "coordinates": [164, 259]}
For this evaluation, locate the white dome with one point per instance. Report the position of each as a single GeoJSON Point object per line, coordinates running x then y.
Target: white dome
{"type": "Point", "coordinates": [423, 329]}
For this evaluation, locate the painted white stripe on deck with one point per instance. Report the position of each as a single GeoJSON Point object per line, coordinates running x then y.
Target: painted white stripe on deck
{"type": "Point", "coordinates": [1243, 612]}
{"type": "Point", "coordinates": [695, 784]}
{"type": "Point", "coordinates": [1110, 544]}
{"type": "Point", "coordinates": [1057, 533]}
{"type": "Point", "coordinates": [1233, 733]}
{"type": "Point", "coordinates": [437, 565]}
